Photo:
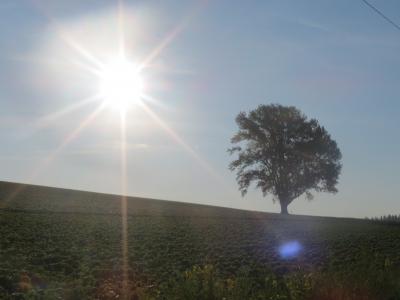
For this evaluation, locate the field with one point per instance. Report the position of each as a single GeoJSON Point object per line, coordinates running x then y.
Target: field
{"type": "Point", "coordinates": [64, 244]}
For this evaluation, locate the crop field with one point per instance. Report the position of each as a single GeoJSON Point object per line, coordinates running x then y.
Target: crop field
{"type": "Point", "coordinates": [63, 244]}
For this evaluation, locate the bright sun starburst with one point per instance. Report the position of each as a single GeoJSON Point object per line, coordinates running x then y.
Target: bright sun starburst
{"type": "Point", "coordinates": [120, 84]}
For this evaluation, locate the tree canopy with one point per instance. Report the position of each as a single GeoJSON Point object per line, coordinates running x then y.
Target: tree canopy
{"type": "Point", "coordinates": [284, 153]}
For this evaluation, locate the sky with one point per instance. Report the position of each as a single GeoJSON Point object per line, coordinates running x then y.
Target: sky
{"type": "Point", "coordinates": [337, 61]}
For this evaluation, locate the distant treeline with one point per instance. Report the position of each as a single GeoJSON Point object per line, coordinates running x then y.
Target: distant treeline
{"type": "Point", "coordinates": [388, 218]}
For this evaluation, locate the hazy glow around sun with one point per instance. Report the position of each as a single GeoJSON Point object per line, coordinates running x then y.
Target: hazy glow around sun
{"type": "Point", "coordinates": [120, 84]}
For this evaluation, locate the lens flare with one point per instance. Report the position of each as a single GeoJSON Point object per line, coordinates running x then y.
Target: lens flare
{"type": "Point", "coordinates": [290, 249]}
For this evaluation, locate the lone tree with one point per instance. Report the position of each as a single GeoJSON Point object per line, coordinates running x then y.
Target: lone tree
{"type": "Point", "coordinates": [284, 153]}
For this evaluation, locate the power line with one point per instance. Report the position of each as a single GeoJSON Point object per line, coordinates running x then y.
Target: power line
{"type": "Point", "coordinates": [381, 14]}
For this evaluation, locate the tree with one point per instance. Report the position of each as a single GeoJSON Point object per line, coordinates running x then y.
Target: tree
{"type": "Point", "coordinates": [284, 154]}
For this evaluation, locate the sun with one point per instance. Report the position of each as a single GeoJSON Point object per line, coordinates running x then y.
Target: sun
{"type": "Point", "coordinates": [120, 84]}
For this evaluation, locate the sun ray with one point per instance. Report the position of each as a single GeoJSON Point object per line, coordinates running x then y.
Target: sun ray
{"type": "Point", "coordinates": [182, 143]}
{"type": "Point", "coordinates": [158, 49]}
{"type": "Point", "coordinates": [124, 211]}
{"type": "Point", "coordinates": [121, 31]}
{"type": "Point", "coordinates": [171, 35]}
{"type": "Point", "coordinates": [66, 141]}
{"type": "Point", "coordinates": [77, 130]}
{"type": "Point", "coordinates": [155, 102]}
{"type": "Point", "coordinates": [79, 49]}
{"type": "Point", "coordinates": [124, 208]}
{"type": "Point", "coordinates": [66, 36]}
{"type": "Point", "coordinates": [48, 160]}
{"type": "Point", "coordinates": [47, 120]}
{"type": "Point", "coordinates": [86, 67]}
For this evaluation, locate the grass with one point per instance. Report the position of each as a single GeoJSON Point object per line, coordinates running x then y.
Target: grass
{"type": "Point", "coordinates": [57, 243]}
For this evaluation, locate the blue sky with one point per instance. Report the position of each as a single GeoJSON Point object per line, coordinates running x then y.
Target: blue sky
{"type": "Point", "coordinates": [337, 61]}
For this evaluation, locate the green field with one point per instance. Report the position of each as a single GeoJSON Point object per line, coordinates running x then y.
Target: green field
{"type": "Point", "coordinates": [64, 244]}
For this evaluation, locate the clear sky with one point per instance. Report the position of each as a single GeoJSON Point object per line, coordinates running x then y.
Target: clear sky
{"type": "Point", "coordinates": [337, 61]}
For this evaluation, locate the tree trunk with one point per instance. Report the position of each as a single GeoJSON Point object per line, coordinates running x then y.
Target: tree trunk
{"type": "Point", "coordinates": [284, 206]}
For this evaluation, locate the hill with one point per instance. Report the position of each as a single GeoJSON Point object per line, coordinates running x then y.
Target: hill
{"type": "Point", "coordinates": [66, 244]}
{"type": "Point", "coordinates": [17, 196]}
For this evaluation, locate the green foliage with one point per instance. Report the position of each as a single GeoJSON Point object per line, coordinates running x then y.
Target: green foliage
{"type": "Point", "coordinates": [206, 283]}
{"type": "Point", "coordinates": [284, 154]}
{"type": "Point", "coordinates": [386, 219]}
{"type": "Point", "coordinates": [78, 256]}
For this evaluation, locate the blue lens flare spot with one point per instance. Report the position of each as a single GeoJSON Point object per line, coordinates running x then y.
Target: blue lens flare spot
{"type": "Point", "coordinates": [290, 249]}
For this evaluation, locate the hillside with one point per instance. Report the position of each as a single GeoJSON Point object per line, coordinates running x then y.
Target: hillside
{"type": "Point", "coordinates": [27, 197]}
{"type": "Point", "coordinates": [36, 198]}
{"type": "Point", "coordinates": [66, 244]}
